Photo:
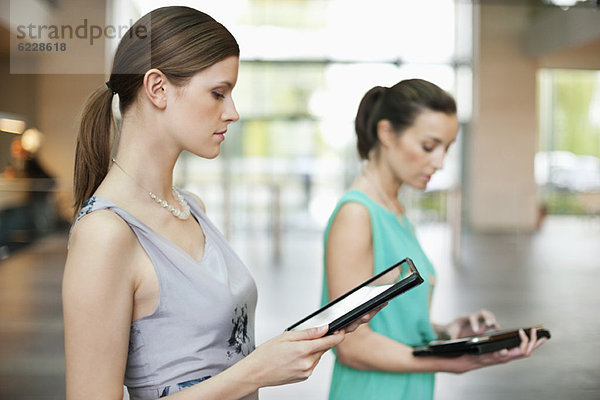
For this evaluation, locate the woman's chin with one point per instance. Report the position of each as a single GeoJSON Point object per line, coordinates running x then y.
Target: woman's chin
{"type": "Point", "coordinates": [419, 185]}
{"type": "Point", "coordinates": [209, 155]}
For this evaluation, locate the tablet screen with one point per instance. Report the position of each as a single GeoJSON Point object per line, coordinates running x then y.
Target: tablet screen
{"type": "Point", "coordinates": [390, 280]}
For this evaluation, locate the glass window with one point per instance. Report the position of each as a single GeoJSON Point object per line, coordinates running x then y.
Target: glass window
{"type": "Point", "coordinates": [567, 166]}
{"type": "Point", "coordinates": [304, 67]}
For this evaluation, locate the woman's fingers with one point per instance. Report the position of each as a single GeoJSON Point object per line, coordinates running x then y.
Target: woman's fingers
{"type": "Point", "coordinates": [526, 347]}
{"type": "Point", "coordinates": [474, 322]}
{"type": "Point", "coordinates": [524, 341]}
{"type": "Point", "coordinates": [489, 319]}
{"type": "Point", "coordinates": [484, 320]}
{"type": "Point", "coordinates": [532, 342]}
{"type": "Point", "coordinates": [364, 319]}
{"type": "Point", "coordinates": [321, 345]}
{"type": "Point", "coordinates": [308, 334]}
{"type": "Point", "coordinates": [317, 347]}
{"type": "Point", "coordinates": [314, 339]}
{"type": "Point", "coordinates": [292, 356]}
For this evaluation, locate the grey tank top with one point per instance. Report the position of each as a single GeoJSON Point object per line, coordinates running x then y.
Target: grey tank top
{"type": "Point", "coordinates": [204, 321]}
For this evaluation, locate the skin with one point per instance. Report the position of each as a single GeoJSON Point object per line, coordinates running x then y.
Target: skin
{"type": "Point", "coordinates": [109, 280]}
{"type": "Point", "coordinates": [409, 157]}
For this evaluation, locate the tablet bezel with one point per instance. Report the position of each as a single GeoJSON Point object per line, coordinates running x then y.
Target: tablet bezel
{"type": "Point", "coordinates": [412, 280]}
{"type": "Point", "coordinates": [480, 344]}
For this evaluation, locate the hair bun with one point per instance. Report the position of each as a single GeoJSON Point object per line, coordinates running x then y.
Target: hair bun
{"type": "Point", "coordinates": [364, 120]}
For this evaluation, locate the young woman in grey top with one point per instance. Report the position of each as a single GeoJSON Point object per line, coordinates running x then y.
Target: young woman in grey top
{"type": "Point", "coordinates": [153, 296]}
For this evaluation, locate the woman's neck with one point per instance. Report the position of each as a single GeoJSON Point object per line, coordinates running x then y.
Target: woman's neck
{"type": "Point", "coordinates": [382, 175]}
{"type": "Point", "coordinates": [145, 158]}
{"type": "Point", "coordinates": [379, 182]}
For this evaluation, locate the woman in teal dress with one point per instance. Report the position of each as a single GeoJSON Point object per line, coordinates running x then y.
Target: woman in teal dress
{"type": "Point", "coordinates": [403, 135]}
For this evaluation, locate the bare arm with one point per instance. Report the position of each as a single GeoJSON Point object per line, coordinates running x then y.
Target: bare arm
{"type": "Point", "coordinates": [98, 291]}
{"type": "Point", "coordinates": [349, 261]}
{"type": "Point", "coordinates": [98, 287]}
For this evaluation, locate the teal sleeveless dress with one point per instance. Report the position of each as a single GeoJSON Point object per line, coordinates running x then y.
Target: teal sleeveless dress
{"type": "Point", "coordinates": [405, 318]}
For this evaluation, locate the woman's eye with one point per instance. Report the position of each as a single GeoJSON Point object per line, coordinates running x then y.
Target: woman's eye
{"type": "Point", "coordinates": [428, 149]}
{"type": "Point", "coordinates": [218, 95]}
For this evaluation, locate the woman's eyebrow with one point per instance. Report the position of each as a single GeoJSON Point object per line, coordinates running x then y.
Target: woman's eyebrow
{"type": "Point", "coordinates": [427, 137]}
{"type": "Point", "coordinates": [225, 83]}
{"type": "Point", "coordinates": [438, 141]}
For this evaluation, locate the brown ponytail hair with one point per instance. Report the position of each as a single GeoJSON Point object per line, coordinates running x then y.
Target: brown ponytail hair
{"type": "Point", "coordinates": [399, 104]}
{"type": "Point", "coordinates": [179, 41]}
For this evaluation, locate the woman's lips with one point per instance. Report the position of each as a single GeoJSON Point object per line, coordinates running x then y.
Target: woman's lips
{"type": "Point", "coordinates": [221, 135]}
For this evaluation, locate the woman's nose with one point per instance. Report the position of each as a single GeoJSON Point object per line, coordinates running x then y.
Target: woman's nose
{"type": "Point", "coordinates": [438, 159]}
{"type": "Point", "coordinates": [231, 113]}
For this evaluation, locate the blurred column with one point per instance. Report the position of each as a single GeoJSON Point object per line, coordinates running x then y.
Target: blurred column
{"type": "Point", "coordinates": [503, 140]}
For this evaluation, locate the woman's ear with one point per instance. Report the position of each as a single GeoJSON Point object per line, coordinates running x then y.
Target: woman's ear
{"type": "Point", "coordinates": [386, 133]}
{"type": "Point", "coordinates": [154, 88]}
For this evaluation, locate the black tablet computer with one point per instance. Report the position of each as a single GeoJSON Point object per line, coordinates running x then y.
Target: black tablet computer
{"type": "Point", "coordinates": [486, 343]}
{"type": "Point", "coordinates": [355, 303]}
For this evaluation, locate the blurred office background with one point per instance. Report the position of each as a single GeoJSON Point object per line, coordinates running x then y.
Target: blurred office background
{"type": "Point", "coordinates": [512, 222]}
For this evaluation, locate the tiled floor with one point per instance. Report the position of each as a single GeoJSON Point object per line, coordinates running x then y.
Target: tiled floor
{"type": "Point", "coordinates": [550, 277]}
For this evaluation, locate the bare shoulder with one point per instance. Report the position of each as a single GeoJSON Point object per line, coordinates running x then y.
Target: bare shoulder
{"type": "Point", "coordinates": [101, 240]}
{"type": "Point", "coordinates": [350, 231]}
{"type": "Point", "coordinates": [348, 250]}
{"type": "Point", "coordinates": [352, 214]}
{"type": "Point", "coordinates": [198, 199]}
{"type": "Point", "coordinates": [102, 228]}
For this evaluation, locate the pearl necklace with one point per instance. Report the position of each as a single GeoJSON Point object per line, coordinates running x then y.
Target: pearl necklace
{"type": "Point", "coordinates": [182, 214]}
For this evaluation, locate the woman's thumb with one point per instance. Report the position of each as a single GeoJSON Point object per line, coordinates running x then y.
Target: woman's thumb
{"type": "Point", "coordinates": [311, 333]}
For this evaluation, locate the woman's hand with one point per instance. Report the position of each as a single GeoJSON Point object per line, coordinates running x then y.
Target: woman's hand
{"type": "Point", "coordinates": [470, 325]}
{"type": "Point", "coordinates": [364, 319]}
{"type": "Point", "coordinates": [528, 345]}
{"type": "Point", "coordinates": [290, 357]}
